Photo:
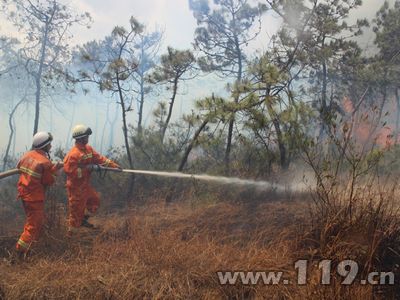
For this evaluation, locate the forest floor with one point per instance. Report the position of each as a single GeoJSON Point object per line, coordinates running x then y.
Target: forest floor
{"type": "Point", "coordinates": [176, 251]}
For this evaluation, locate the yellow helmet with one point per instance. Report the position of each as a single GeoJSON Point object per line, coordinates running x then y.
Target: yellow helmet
{"type": "Point", "coordinates": [80, 131]}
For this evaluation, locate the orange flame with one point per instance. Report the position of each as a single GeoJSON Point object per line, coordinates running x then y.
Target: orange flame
{"type": "Point", "coordinates": [365, 129]}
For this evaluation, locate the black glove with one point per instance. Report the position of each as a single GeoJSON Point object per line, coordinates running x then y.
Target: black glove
{"type": "Point", "coordinates": [92, 168]}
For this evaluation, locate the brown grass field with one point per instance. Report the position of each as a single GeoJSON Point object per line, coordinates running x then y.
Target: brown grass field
{"type": "Point", "coordinates": [155, 251]}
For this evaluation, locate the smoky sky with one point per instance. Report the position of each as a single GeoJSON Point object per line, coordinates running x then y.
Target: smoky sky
{"type": "Point", "coordinates": [172, 16]}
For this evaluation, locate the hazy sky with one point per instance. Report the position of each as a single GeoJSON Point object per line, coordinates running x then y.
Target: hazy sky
{"type": "Point", "coordinates": [172, 15]}
{"type": "Point", "coordinates": [178, 23]}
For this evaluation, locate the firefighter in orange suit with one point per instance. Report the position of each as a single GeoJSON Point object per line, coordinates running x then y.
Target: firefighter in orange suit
{"type": "Point", "coordinates": [37, 173]}
{"type": "Point", "coordinates": [81, 160]}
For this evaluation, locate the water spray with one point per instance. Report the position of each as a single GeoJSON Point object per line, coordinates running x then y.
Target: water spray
{"type": "Point", "coordinates": [258, 184]}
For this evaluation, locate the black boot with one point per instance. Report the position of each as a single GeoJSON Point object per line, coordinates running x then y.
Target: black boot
{"type": "Point", "coordinates": [85, 222]}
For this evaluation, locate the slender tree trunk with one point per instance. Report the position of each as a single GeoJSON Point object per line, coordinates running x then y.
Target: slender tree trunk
{"type": "Point", "coordinates": [324, 105]}
{"type": "Point", "coordinates": [125, 127]}
{"type": "Point", "coordinates": [112, 128]}
{"type": "Point", "coordinates": [141, 104]}
{"type": "Point", "coordinates": [397, 113]}
{"type": "Point", "coordinates": [126, 139]}
{"type": "Point", "coordinates": [37, 105]}
{"type": "Point", "coordinates": [171, 191]}
{"type": "Point", "coordinates": [38, 77]}
{"type": "Point", "coordinates": [10, 137]}
{"type": "Point", "coordinates": [236, 100]}
{"type": "Point", "coordinates": [190, 147]}
{"type": "Point", "coordinates": [227, 157]}
{"type": "Point", "coordinates": [14, 143]}
{"type": "Point", "coordinates": [281, 144]}
{"type": "Point", "coordinates": [141, 85]}
{"type": "Point", "coordinates": [171, 106]}
{"type": "Point", "coordinates": [324, 114]}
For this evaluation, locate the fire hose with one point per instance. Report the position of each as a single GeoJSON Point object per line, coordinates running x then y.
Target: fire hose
{"type": "Point", "coordinates": [12, 172]}
{"type": "Point", "coordinates": [101, 168]}
{"type": "Point", "coordinates": [9, 173]}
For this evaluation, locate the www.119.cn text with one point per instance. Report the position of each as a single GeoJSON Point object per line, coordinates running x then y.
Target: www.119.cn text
{"type": "Point", "coordinates": [347, 269]}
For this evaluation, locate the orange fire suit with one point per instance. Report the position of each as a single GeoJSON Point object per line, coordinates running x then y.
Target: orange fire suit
{"type": "Point", "coordinates": [81, 195]}
{"type": "Point", "coordinates": [37, 172]}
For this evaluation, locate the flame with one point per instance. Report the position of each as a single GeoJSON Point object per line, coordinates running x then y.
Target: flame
{"type": "Point", "coordinates": [347, 105]}
{"type": "Point", "coordinates": [365, 127]}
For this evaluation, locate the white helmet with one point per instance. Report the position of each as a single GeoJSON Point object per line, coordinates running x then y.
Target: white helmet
{"type": "Point", "coordinates": [41, 139]}
{"type": "Point", "coordinates": [80, 131]}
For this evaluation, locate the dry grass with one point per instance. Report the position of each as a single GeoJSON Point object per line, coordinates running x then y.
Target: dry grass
{"type": "Point", "coordinates": [174, 252]}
